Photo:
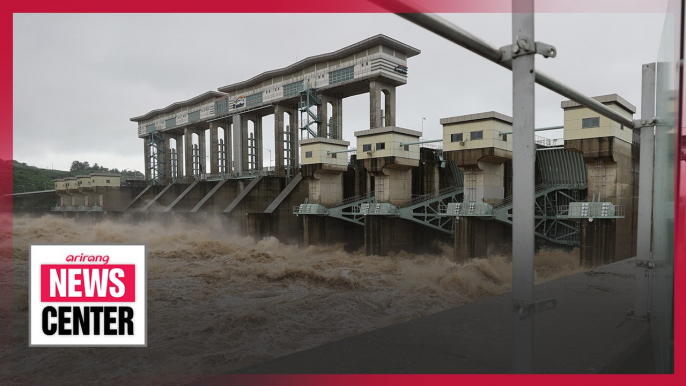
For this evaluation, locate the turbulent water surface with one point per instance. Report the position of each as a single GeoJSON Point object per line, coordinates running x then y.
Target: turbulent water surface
{"type": "Point", "coordinates": [218, 301]}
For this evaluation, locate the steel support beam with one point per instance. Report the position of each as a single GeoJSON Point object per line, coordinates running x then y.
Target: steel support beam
{"type": "Point", "coordinates": [523, 187]}
{"type": "Point", "coordinates": [455, 34]}
{"type": "Point", "coordinates": [645, 192]}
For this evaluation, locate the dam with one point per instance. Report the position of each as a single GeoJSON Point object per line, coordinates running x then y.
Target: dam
{"type": "Point", "coordinates": [379, 228]}
{"type": "Point", "coordinates": [384, 188]}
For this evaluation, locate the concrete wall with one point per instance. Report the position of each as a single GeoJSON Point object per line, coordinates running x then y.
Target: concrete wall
{"type": "Point", "coordinates": [608, 128]}
{"type": "Point", "coordinates": [281, 222]}
{"type": "Point", "coordinates": [226, 193]}
{"type": "Point", "coordinates": [394, 186]}
{"type": "Point", "coordinates": [193, 196]}
{"type": "Point", "coordinates": [613, 174]}
{"type": "Point", "coordinates": [391, 139]}
{"type": "Point", "coordinates": [60, 185]}
{"type": "Point", "coordinates": [491, 129]}
{"type": "Point", "coordinates": [475, 237]}
{"type": "Point", "coordinates": [166, 197]}
{"type": "Point", "coordinates": [386, 235]}
{"type": "Point", "coordinates": [319, 151]}
{"type": "Point", "coordinates": [486, 184]}
{"type": "Point", "coordinates": [256, 201]}
{"type": "Point", "coordinates": [116, 198]}
{"type": "Point", "coordinates": [39, 202]}
{"type": "Point", "coordinates": [99, 180]}
{"type": "Point", "coordinates": [326, 188]}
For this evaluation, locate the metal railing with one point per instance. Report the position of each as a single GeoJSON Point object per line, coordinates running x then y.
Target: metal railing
{"type": "Point", "coordinates": [429, 196]}
{"type": "Point", "coordinates": [81, 208]}
{"type": "Point", "coordinates": [547, 142]}
{"type": "Point", "coordinates": [309, 209]}
{"type": "Point", "coordinates": [468, 209]}
{"type": "Point", "coordinates": [350, 200]}
{"type": "Point", "coordinates": [593, 211]}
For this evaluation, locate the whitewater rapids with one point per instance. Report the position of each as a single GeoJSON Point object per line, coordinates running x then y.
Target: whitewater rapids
{"type": "Point", "coordinates": [218, 302]}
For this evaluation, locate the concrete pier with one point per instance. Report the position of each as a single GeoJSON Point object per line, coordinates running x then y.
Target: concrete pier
{"type": "Point", "coordinates": [610, 152]}
{"type": "Point", "coordinates": [476, 146]}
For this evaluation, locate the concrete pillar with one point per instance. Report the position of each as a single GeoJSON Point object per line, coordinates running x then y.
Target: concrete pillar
{"type": "Point", "coordinates": [146, 154]}
{"type": "Point", "coordinates": [326, 188]}
{"type": "Point", "coordinates": [227, 146]}
{"type": "Point", "coordinates": [167, 160]}
{"type": "Point", "coordinates": [337, 118]}
{"type": "Point", "coordinates": [393, 186]}
{"type": "Point", "coordinates": [239, 138]}
{"type": "Point", "coordinates": [485, 184]}
{"type": "Point", "coordinates": [214, 147]}
{"type": "Point", "coordinates": [475, 237]}
{"type": "Point", "coordinates": [279, 140]}
{"type": "Point", "coordinates": [188, 149]}
{"type": "Point", "coordinates": [323, 114]}
{"type": "Point", "coordinates": [375, 90]}
{"type": "Point", "coordinates": [389, 108]}
{"type": "Point", "coordinates": [293, 126]}
{"type": "Point", "coordinates": [259, 144]}
{"type": "Point", "coordinates": [611, 175]}
{"type": "Point", "coordinates": [202, 150]}
{"type": "Point", "coordinates": [179, 157]}
{"type": "Point", "coordinates": [383, 235]}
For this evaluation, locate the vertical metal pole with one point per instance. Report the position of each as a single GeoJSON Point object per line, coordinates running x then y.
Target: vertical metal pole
{"type": "Point", "coordinates": [523, 156]}
{"type": "Point", "coordinates": [645, 191]}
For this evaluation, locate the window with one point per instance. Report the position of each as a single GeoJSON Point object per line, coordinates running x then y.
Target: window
{"type": "Point", "coordinates": [456, 137]}
{"type": "Point", "coordinates": [341, 75]}
{"type": "Point", "coordinates": [107, 181]}
{"type": "Point", "coordinates": [308, 154]}
{"type": "Point", "coordinates": [292, 89]}
{"type": "Point", "coordinates": [367, 147]}
{"type": "Point", "coordinates": [476, 135]}
{"type": "Point", "coordinates": [380, 145]}
{"type": "Point", "coordinates": [253, 100]}
{"type": "Point", "coordinates": [407, 147]}
{"type": "Point", "coordinates": [194, 116]}
{"type": "Point", "coordinates": [334, 155]}
{"type": "Point", "coordinates": [588, 123]}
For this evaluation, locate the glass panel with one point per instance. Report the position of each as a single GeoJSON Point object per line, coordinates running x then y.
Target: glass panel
{"type": "Point", "coordinates": [341, 75]}
{"type": "Point", "coordinates": [667, 91]}
{"type": "Point", "coordinates": [194, 116]}
{"type": "Point", "coordinates": [253, 100]}
{"type": "Point", "coordinates": [292, 89]}
{"type": "Point", "coordinates": [221, 107]}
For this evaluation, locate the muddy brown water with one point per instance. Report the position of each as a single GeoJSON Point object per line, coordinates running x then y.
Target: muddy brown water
{"type": "Point", "coordinates": [218, 302]}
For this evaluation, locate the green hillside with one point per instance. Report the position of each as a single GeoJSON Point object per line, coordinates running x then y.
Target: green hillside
{"type": "Point", "coordinates": [27, 178]}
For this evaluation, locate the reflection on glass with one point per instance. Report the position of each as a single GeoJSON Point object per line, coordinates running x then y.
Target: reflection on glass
{"type": "Point", "coordinates": [662, 294]}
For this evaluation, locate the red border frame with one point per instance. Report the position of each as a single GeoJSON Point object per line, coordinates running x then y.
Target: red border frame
{"type": "Point", "coordinates": [8, 8]}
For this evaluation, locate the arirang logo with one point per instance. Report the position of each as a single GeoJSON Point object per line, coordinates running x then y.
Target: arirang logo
{"type": "Point", "coordinates": [96, 297]}
{"type": "Point", "coordinates": [239, 102]}
{"type": "Point", "coordinates": [401, 69]}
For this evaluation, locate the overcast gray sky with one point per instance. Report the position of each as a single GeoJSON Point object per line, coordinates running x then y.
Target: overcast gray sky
{"type": "Point", "coordinates": [78, 78]}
